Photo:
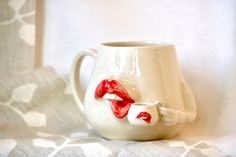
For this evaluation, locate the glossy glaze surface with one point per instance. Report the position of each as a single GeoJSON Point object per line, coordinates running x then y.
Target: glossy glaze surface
{"type": "Point", "coordinates": [136, 72]}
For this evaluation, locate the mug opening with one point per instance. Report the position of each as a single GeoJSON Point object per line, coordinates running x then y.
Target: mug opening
{"type": "Point", "coordinates": [134, 44]}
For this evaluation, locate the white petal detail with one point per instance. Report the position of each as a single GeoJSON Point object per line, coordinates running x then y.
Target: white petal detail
{"type": "Point", "coordinates": [44, 143]}
{"type": "Point", "coordinates": [16, 4]}
{"type": "Point", "coordinates": [35, 119]}
{"type": "Point", "coordinates": [176, 143]}
{"type": "Point", "coordinates": [95, 150]}
{"type": "Point", "coordinates": [44, 134]}
{"type": "Point", "coordinates": [79, 134]}
{"type": "Point", "coordinates": [27, 34]}
{"type": "Point", "coordinates": [6, 146]}
{"type": "Point", "coordinates": [24, 93]}
{"type": "Point", "coordinates": [212, 152]}
{"type": "Point", "coordinates": [68, 90]}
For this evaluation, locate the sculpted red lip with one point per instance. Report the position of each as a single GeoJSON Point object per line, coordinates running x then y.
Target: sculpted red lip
{"type": "Point", "coordinates": [144, 116]}
{"type": "Point", "coordinates": [120, 108]}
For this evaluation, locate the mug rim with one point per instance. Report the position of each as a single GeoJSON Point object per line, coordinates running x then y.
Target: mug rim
{"type": "Point", "coordinates": [136, 44]}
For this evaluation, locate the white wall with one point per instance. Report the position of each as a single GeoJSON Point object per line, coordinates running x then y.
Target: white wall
{"type": "Point", "coordinates": [204, 32]}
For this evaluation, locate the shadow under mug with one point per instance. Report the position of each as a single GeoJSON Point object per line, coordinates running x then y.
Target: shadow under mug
{"type": "Point", "coordinates": [144, 113]}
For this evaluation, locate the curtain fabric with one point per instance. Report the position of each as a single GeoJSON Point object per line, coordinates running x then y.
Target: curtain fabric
{"type": "Point", "coordinates": [17, 33]}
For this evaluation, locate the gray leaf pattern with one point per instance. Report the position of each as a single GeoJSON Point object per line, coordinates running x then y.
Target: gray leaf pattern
{"type": "Point", "coordinates": [17, 29]}
{"type": "Point", "coordinates": [187, 148]}
{"type": "Point", "coordinates": [24, 93]}
{"type": "Point", "coordinates": [27, 31]}
{"type": "Point", "coordinates": [6, 146]}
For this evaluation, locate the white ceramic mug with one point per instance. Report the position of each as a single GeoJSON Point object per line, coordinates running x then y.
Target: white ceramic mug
{"type": "Point", "coordinates": [144, 113]}
{"type": "Point", "coordinates": [127, 72]}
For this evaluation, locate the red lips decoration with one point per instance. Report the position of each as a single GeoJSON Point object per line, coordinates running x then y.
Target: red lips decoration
{"type": "Point", "coordinates": [120, 108]}
{"type": "Point", "coordinates": [144, 116]}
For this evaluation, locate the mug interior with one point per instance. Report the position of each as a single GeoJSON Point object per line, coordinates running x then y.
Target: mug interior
{"type": "Point", "coordinates": [134, 44]}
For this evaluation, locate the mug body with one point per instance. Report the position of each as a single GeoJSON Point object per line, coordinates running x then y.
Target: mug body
{"type": "Point", "coordinates": [146, 72]}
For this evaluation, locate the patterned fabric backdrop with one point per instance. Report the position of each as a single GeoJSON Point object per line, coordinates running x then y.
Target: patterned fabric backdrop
{"type": "Point", "coordinates": [17, 32]}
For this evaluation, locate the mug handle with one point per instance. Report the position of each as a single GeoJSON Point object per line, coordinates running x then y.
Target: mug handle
{"type": "Point", "coordinates": [77, 91]}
